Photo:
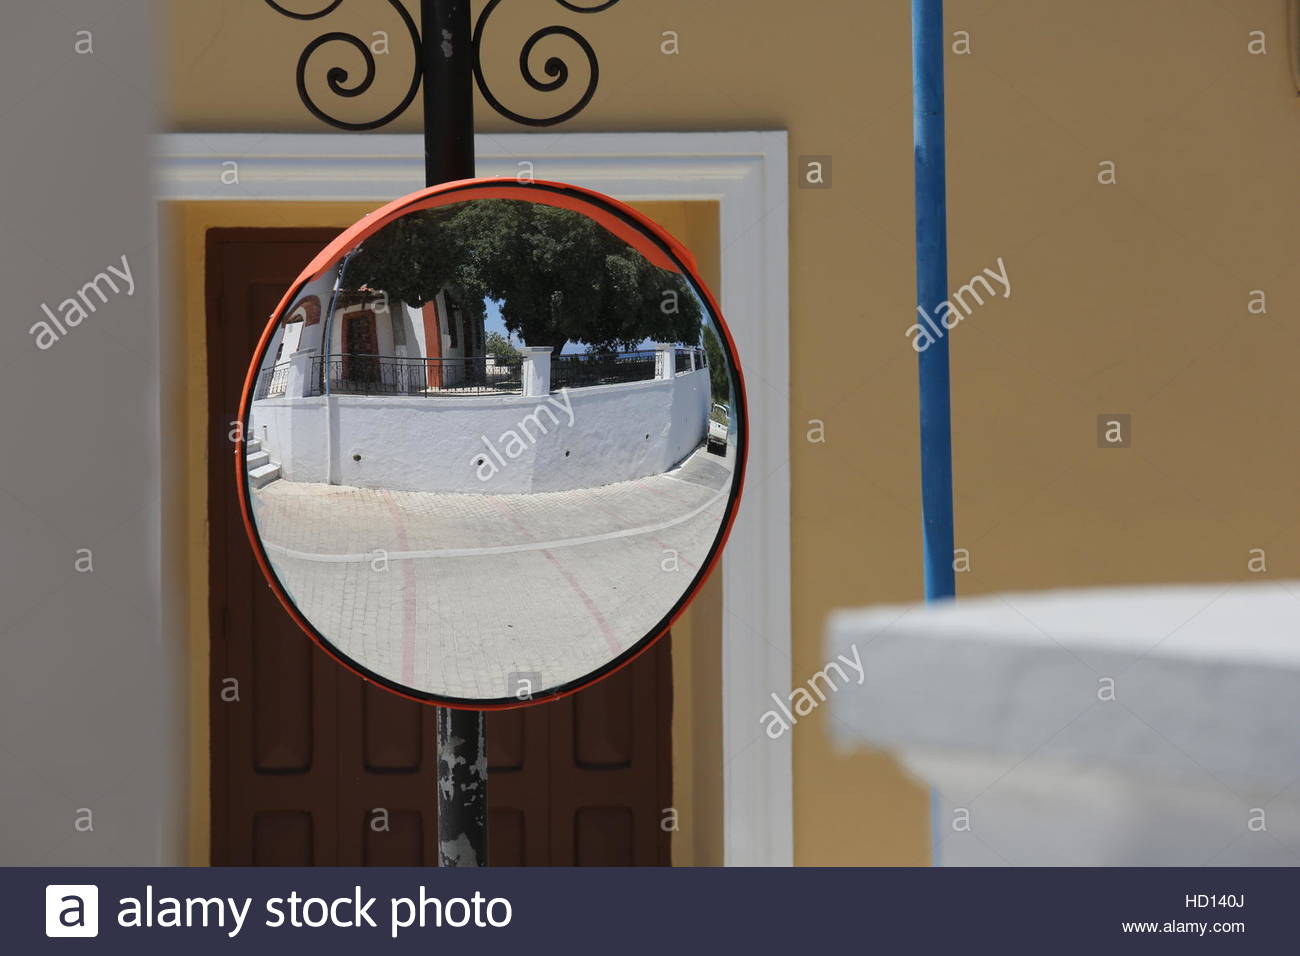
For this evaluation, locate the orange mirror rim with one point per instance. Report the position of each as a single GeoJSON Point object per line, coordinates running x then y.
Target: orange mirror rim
{"type": "Point", "coordinates": [640, 232]}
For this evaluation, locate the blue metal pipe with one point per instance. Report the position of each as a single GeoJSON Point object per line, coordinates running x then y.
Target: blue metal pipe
{"type": "Point", "coordinates": [932, 289]}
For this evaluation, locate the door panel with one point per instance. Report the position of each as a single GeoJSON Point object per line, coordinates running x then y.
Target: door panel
{"type": "Point", "coordinates": [313, 766]}
{"type": "Point", "coordinates": [360, 346]}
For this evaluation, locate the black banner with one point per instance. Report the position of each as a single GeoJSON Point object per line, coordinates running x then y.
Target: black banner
{"type": "Point", "coordinates": [193, 911]}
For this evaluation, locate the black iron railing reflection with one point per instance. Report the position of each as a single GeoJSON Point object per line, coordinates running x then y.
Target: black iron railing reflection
{"type": "Point", "coordinates": [689, 359]}
{"type": "Point", "coordinates": [272, 381]}
{"type": "Point", "coordinates": [602, 368]}
{"type": "Point", "coordinates": [351, 374]}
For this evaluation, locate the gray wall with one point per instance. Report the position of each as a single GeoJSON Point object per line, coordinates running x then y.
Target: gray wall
{"type": "Point", "coordinates": [91, 700]}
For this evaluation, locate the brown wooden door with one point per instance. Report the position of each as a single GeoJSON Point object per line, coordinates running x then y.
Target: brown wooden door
{"type": "Point", "coordinates": [360, 348]}
{"type": "Point", "coordinates": [311, 765]}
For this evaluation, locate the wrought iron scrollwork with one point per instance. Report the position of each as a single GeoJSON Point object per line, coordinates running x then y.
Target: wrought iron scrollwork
{"type": "Point", "coordinates": [337, 77]}
{"type": "Point", "coordinates": [305, 16]}
{"type": "Point", "coordinates": [555, 69]}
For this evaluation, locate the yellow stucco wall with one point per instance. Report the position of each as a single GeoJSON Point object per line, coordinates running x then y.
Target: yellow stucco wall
{"type": "Point", "coordinates": [1132, 297]}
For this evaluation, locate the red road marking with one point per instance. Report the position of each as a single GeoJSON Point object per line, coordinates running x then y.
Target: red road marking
{"type": "Point", "coordinates": [605, 629]}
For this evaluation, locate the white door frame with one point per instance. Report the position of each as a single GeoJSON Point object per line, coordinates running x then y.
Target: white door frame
{"type": "Point", "coordinates": [747, 174]}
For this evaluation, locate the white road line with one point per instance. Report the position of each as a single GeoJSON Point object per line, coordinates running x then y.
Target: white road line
{"type": "Point", "coordinates": [502, 549]}
{"type": "Point", "coordinates": [687, 481]}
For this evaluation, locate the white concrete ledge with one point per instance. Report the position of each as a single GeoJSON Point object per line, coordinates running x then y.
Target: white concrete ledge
{"type": "Point", "coordinates": [1132, 727]}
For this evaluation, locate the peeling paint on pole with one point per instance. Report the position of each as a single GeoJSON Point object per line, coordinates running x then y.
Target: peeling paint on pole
{"type": "Point", "coordinates": [462, 788]}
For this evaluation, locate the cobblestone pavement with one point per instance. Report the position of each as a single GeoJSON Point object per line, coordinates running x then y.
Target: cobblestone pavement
{"type": "Point", "coordinates": [457, 594]}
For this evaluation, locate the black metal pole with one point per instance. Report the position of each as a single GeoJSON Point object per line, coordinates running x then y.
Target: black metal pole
{"type": "Point", "coordinates": [447, 58]}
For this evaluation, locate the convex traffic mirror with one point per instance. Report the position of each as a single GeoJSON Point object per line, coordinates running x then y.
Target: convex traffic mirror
{"type": "Point", "coordinates": [492, 442]}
